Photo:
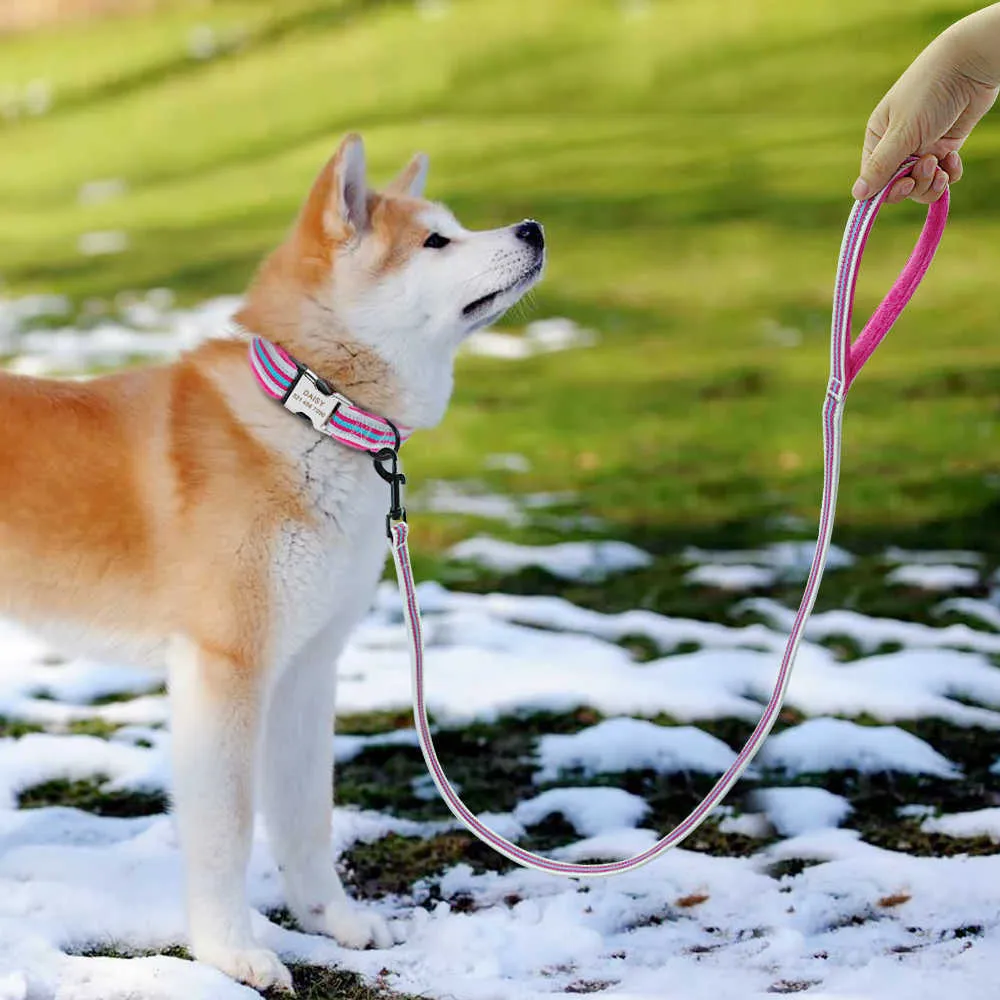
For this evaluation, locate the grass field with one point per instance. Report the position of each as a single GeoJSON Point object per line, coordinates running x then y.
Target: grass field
{"type": "Point", "coordinates": [691, 162]}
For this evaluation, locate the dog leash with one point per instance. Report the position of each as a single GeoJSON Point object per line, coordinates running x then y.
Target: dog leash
{"type": "Point", "coordinates": [305, 394]}
{"type": "Point", "coordinates": [846, 361]}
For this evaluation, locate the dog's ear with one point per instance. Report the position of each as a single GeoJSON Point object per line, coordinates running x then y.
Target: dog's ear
{"type": "Point", "coordinates": [413, 178]}
{"type": "Point", "coordinates": [337, 207]}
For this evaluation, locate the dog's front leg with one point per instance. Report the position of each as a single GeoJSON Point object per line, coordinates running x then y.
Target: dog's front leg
{"type": "Point", "coordinates": [215, 708]}
{"type": "Point", "coordinates": [298, 786]}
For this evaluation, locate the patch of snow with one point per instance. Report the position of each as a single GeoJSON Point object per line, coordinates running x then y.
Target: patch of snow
{"type": "Point", "coordinates": [41, 757]}
{"type": "Point", "coordinates": [543, 336]}
{"type": "Point", "coordinates": [626, 744]}
{"type": "Point", "coordinates": [101, 243]}
{"type": "Point", "coordinates": [978, 823]}
{"type": "Point", "coordinates": [440, 497]}
{"type": "Point", "coordinates": [612, 845]}
{"type": "Point", "coordinates": [731, 577]}
{"type": "Point", "coordinates": [433, 10]}
{"type": "Point", "coordinates": [98, 191]}
{"type": "Point", "coordinates": [934, 577]}
{"type": "Point", "coordinates": [789, 560]}
{"type": "Point", "coordinates": [589, 561]}
{"type": "Point", "coordinates": [202, 42]}
{"type": "Point", "coordinates": [591, 811]}
{"type": "Point", "coordinates": [38, 97]}
{"type": "Point", "coordinates": [915, 810]}
{"type": "Point", "coordinates": [754, 825]}
{"type": "Point", "coordinates": [819, 745]}
{"type": "Point", "coordinates": [870, 633]}
{"type": "Point", "coordinates": [972, 607]}
{"type": "Point", "coordinates": [794, 811]}
{"type": "Point", "coordinates": [507, 462]}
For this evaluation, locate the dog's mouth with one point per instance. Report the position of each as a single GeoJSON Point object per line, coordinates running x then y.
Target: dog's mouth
{"type": "Point", "coordinates": [481, 305]}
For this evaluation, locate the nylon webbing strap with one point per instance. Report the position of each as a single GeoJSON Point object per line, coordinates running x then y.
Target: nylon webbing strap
{"type": "Point", "coordinates": [846, 360]}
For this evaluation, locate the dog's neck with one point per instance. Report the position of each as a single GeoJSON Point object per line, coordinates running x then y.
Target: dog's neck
{"type": "Point", "coordinates": [416, 398]}
{"type": "Point", "coordinates": [351, 368]}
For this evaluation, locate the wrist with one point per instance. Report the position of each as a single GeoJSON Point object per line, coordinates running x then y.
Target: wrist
{"type": "Point", "coordinates": [972, 46]}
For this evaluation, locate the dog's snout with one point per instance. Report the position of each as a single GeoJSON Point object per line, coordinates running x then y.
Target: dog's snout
{"type": "Point", "coordinates": [531, 233]}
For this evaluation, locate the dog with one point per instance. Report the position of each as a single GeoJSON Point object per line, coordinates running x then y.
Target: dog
{"type": "Point", "coordinates": [179, 514]}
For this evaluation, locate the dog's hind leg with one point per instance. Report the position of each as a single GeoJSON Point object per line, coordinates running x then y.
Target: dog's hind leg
{"type": "Point", "coordinates": [216, 708]}
{"type": "Point", "coordinates": [298, 790]}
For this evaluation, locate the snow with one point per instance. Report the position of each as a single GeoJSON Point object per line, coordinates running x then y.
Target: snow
{"type": "Point", "coordinates": [925, 557]}
{"type": "Point", "coordinates": [731, 577]}
{"type": "Point", "coordinates": [591, 811]}
{"type": "Point", "coordinates": [794, 811]}
{"type": "Point", "coordinates": [972, 607]}
{"type": "Point", "coordinates": [101, 243]}
{"type": "Point", "coordinates": [977, 823]}
{"type": "Point", "coordinates": [818, 745]}
{"type": "Point", "coordinates": [507, 462]}
{"type": "Point", "coordinates": [544, 336]}
{"type": "Point", "coordinates": [149, 327]}
{"type": "Point", "coordinates": [871, 633]}
{"type": "Point", "coordinates": [585, 561]}
{"type": "Point", "coordinates": [788, 560]}
{"type": "Point", "coordinates": [474, 500]}
{"type": "Point", "coordinates": [688, 925]}
{"type": "Point", "coordinates": [626, 744]}
{"type": "Point", "coordinates": [857, 921]}
{"type": "Point", "coordinates": [934, 577]}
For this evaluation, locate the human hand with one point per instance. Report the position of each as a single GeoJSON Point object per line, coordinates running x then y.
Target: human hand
{"type": "Point", "coordinates": [929, 112]}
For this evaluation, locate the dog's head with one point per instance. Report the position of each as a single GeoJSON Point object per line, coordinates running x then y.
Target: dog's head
{"type": "Point", "coordinates": [390, 277]}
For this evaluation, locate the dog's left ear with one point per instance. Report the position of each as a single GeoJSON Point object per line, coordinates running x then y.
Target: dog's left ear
{"type": "Point", "coordinates": [336, 210]}
{"type": "Point", "coordinates": [413, 179]}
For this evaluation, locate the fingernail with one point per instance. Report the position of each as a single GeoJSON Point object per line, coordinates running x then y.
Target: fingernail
{"type": "Point", "coordinates": [906, 186]}
{"type": "Point", "coordinates": [939, 181]}
{"type": "Point", "coordinates": [861, 190]}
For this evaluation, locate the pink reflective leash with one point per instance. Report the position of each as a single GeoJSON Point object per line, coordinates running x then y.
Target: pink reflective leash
{"type": "Point", "coordinates": [846, 360]}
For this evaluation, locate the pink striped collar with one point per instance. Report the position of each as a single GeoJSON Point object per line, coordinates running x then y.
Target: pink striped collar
{"type": "Point", "coordinates": [302, 392]}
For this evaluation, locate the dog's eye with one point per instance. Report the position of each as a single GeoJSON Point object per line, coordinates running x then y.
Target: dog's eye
{"type": "Point", "coordinates": [436, 241]}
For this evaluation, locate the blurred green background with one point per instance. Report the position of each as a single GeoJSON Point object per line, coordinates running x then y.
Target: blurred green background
{"type": "Point", "coordinates": [691, 161]}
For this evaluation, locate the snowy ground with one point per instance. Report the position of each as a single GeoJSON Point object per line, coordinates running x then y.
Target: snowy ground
{"type": "Point", "coordinates": [856, 860]}
{"type": "Point", "coordinates": [798, 900]}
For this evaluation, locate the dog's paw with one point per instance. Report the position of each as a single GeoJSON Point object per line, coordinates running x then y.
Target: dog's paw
{"type": "Point", "coordinates": [257, 967]}
{"type": "Point", "coordinates": [350, 926]}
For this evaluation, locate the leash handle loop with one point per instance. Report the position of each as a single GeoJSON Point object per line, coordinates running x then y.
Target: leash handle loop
{"type": "Point", "coordinates": [847, 360]}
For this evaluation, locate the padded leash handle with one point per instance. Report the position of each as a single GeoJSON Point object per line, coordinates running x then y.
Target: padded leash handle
{"type": "Point", "coordinates": [847, 359]}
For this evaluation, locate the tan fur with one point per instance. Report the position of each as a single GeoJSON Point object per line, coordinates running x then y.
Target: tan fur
{"type": "Point", "coordinates": [126, 497]}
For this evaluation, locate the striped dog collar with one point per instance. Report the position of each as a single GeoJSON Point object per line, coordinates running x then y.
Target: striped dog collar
{"type": "Point", "coordinates": [302, 392]}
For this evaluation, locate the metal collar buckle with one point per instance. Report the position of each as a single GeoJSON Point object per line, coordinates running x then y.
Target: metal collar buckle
{"type": "Point", "coordinates": [312, 398]}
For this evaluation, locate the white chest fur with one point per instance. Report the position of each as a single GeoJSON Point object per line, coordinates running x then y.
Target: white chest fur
{"type": "Point", "coordinates": [325, 574]}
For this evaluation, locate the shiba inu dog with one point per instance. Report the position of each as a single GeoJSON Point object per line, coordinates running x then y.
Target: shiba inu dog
{"type": "Point", "coordinates": [179, 513]}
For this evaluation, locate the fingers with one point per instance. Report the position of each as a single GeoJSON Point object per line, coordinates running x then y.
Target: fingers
{"type": "Point", "coordinates": [927, 181]}
{"type": "Point", "coordinates": [934, 190]}
{"type": "Point", "coordinates": [878, 166]}
{"type": "Point", "coordinates": [952, 166]}
{"type": "Point", "coordinates": [901, 190]}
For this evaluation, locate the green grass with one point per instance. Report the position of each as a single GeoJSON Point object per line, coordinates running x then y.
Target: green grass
{"type": "Point", "coordinates": [692, 169]}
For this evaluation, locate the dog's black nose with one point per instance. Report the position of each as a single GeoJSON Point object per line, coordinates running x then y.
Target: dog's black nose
{"type": "Point", "coordinates": [532, 234]}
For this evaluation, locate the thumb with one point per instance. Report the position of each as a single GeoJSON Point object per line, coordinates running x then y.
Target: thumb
{"type": "Point", "coordinates": [878, 166]}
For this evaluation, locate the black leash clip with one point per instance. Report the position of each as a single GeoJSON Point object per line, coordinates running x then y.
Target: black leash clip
{"type": "Point", "coordinates": [386, 462]}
